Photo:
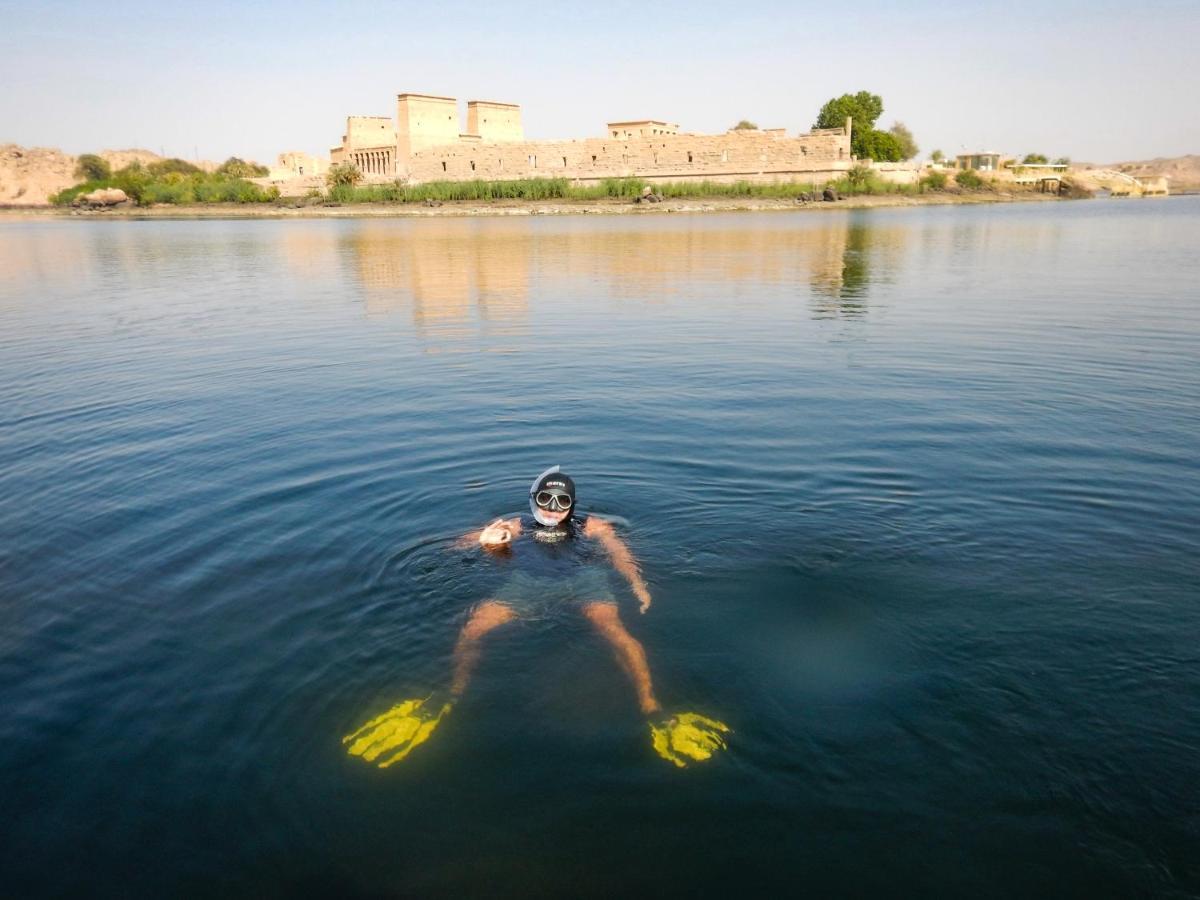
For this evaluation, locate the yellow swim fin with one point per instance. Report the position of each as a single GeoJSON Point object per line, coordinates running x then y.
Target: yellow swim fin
{"type": "Point", "coordinates": [393, 735]}
{"type": "Point", "coordinates": [687, 737]}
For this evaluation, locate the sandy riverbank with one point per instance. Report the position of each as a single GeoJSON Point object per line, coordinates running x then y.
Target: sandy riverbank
{"type": "Point", "coordinates": [515, 207]}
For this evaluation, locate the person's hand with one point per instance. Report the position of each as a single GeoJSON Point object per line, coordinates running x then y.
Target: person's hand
{"type": "Point", "coordinates": [499, 534]}
{"type": "Point", "coordinates": [643, 596]}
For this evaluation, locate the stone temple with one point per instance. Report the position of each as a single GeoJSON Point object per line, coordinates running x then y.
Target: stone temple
{"type": "Point", "coordinates": [426, 142]}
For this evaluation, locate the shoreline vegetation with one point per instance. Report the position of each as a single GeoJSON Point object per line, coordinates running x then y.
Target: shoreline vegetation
{"type": "Point", "coordinates": [179, 190]}
{"type": "Point", "coordinates": [303, 208]}
{"type": "Point", "coordinates": [169, 181]}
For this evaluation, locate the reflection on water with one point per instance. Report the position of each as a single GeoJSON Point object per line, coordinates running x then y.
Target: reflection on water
{"type": "Point", "coordinates": [445, 272]}
{"type": "Point", "coordinates": [864, 248]}
{"type": "Point", "coordinates": [453, 275]}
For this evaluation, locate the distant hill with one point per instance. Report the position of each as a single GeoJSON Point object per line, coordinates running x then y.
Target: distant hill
{"type": "Point", "coordinates": [1184, 171]}
{"type": "Point", "coordinates": [29, 175]}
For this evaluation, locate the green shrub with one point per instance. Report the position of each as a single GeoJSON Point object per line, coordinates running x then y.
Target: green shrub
{"type": "Point", "coordinates": [864, 180]}
{"type": "Point", "coordinates": [168, 192]}
{"type": "Point", "coordinates": [934, 181]}
{"type": "Point", "coordinates": [343, 174]}
{"type": "Point", "coordinates": [66, 195]}
{"type": "Point", "coordinates": [91, 167]}
{"type": "Point", "coordinates": [212, 190]}
{"type": "Point", "coordinates": [861, 180]}
{"type": "Point", "coordinates": [173, 186]}
{"type": "Point", "coordinates": [173, 165]}
{"type": "Point", "coordinates": [234, 167]}
{"type": "Point", "coordinates": [858, 178]}
{"type": "Point", "coordinates": [969, 179]}
{"type": "Point", "coordinates": [622, 187]}
{"type": "Point", "coordinates": [245, 192]}
{"type": "Point", "coordinates": [133, 180]}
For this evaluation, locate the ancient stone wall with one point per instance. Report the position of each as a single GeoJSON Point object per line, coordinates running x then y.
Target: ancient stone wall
{"type": "Point", "coordinates": [427, 145]}
{"type": "Point", "coordinates": [733, 156]}
{"type": "Point", "coordinates": [296, 164]}
{"type": "Point", "coordinates": [370, 144]}
{"type": "Point", "coordinates": [494, 121]}
{"type": "Point", "coordinates": [907, 172]}
{"type": "Point", "coordinates": [369, 131]}
{"type": "Point", "coordinates": [639, 128]}
{"type": "Point", "coordinates": [424, 121]}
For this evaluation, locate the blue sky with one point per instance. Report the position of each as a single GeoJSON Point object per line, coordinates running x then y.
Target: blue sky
{"type": "Point", "coordinates": [1098, 81]}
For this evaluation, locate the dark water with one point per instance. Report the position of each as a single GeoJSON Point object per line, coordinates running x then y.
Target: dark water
{"type": "Point", "coordinates": [916, 492]}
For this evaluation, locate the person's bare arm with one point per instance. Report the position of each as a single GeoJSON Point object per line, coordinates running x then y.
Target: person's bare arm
{"type": "Point", "coordinates": [496, 536]}
{"type": "Point", "coordinates": [622, 559]}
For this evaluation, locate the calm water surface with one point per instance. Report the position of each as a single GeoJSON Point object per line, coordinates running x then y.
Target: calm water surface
{"type": "Point", "coordinates": [916, 492]}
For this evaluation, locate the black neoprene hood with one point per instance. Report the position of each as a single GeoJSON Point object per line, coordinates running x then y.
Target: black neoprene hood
{"type": "Point", "coordinates": [553, 479]}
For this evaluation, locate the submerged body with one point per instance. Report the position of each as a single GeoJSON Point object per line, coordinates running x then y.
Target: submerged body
{"type": "Point", "coordinates": [557, 564]}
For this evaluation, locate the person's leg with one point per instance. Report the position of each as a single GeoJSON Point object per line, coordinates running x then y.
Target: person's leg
{"type": "Point", "coordinates": [487, 616]}
{"type": "Point", "coordinates": [630, 653]}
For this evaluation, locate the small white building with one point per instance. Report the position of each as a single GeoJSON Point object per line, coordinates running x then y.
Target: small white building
{"type": "Point", "coordinates": [980, 162]}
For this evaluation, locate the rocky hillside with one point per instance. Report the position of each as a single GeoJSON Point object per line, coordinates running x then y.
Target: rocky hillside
{"type": "Point", "coordinates": [29, 175]}
{"type": "Point", "coordinates": [1184, 171]}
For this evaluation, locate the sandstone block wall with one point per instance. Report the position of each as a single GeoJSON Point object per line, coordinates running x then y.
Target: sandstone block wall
{"type": "Point", "coordinates": [370, 144]}
{"type": "Point", "coordinates": [639, 128]}
{"type": "Point", "coordinates": [494, 121]}
{"type": "Point", "coordinates": [907, 172]}
{"type": "Point", "coordinates": [424, 121]}
{"type": "Point", "coordinates": [369, 131]}
{"type": "Point", "coordinates": [733, 156]}
{"type": "Point", "coordinates": [296, 164]}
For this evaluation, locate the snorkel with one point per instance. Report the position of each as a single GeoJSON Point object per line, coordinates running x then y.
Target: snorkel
{"type": "Point", "coordinates": [552, 484]}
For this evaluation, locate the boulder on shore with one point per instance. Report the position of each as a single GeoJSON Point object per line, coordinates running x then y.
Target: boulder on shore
{"type": "Point", "coordinates": [103, 197]}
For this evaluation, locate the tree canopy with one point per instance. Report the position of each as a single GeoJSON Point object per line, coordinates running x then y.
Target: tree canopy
{"type": "Point", "coordinates": [1035, 159]}
{"type": "Point", "coordinates": [91, 167]}
{"type": "Point", "coordinates": [745, 125]}
{"type": "Point", "coordinates": [864, 109]}
{"type": "Point", "coordinates": [881, 146]}
{"type": "Point", "coordinates": [908, 144]}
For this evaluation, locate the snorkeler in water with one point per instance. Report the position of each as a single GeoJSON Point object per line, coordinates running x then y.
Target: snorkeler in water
{"type": "Point", "coordinates": [558, 568]}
